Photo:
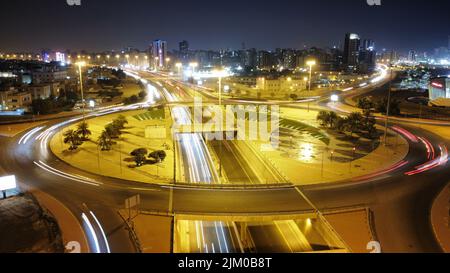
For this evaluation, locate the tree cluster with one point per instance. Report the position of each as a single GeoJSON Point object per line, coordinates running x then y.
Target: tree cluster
{"type": "Point", "coordinates": [75, 138]}
{"type": "Point", "coordinates": [355, 123]}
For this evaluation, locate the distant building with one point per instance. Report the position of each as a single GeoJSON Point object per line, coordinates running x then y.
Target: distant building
{"type": "Point", "coordinates": [158, 54]}
{"type": "Point", "coordinates": [351, 50]}
{"type": "Point", "coordinates": [288, 59]}
{"type": "Point", "coordinates": [388, 56]}
{"type": "Point", "coordinates": [367, 57]}
{"type": "Point", "coordinates": [14, 100]}
{"type": "Point", "coordinates": [279, 87]}
{"type": "Point", "coordinates": [48, 76]}
{"type": "Point", "coordinates": [184, 50]}
{"type": "Point", "coordinates": [40, 91]}
{"type": "Point", "coordinates": [249, 58]}
{"type": "Point", "coordinates": [412, 55]}
{"type": "Point", "coordinates": [264, 60]}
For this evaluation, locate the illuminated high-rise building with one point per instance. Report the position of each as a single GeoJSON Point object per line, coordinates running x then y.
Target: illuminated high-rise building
{"type": "Point", "coordinates": [351, 50]}
{"type": "Point", "coordinates": [158, 54]}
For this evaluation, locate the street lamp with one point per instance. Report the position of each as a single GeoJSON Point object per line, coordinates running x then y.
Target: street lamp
{"type": "Point", "coordinates": [156, 63]}
{"type": "Point", "coordinates": [193, 66]}
{"type": "Point", "coordinates": [220, 74]}
{"type": "Point", "coordinates": [178, 66]}
{"type": "Point", "coordinates": [310, 63]}
{"type": "Point", "coordinates": [80, 65]}
{"type": "Point", "coordinates": [388, 106]}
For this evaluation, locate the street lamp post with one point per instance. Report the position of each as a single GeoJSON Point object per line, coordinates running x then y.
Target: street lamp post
{"type": "Point", "coordinates": [220, 74]}
{"type": "Point", "coordinates": [388, 106]}
{"type": "Point", "coordinates": [310, 63]}
{"type": "Point", "coordinates": [193, 66]}
{"type": "Point", "coordinates": [353, 159]}
{"type": "Point", "coordinates": [178, 66]}
{"type": "Point", "coordinates": [156, 63]}
{"type": "Point", "coordinates": [80, 65]}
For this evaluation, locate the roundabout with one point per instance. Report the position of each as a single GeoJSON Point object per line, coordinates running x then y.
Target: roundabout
{"type": "Point", "coordinates": [37, 167]}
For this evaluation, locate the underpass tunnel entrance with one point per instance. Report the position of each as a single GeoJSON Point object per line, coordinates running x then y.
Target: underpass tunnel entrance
{"type": "Point", "coordinates": [261, 234]}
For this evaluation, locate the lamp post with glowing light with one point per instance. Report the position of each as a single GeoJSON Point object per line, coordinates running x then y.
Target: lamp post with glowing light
{"type": "Point", "coordinates": [178, 66]}
{"type": "Point", "coordinates": [193, 66]}
{"type": "Point", "coordinates": [310, 63]}
{"type": "Point", "coordinates": [156, 63]}
{"type": "Point", "coordinates": [80, 65]}
{"type": "Point", "coordinates": [220, 74]}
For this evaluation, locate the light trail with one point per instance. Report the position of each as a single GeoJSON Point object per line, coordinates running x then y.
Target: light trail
{"type": "Point", "coordinates": [200, 168]}
{"type": "Point", "coordinates": [24, 139]}
{"type": "Point", "coordinates": [441, 160]}
{"type": "Point", "coordinates": [59, 173]}
{"type": "Point", "coordinates": [406, 133]}
{"type": "Point", "coordinates": [92, 231]}
{"type": "Point", "coordinates": [431, 154]}
{"type": "Point", "coordinates": [108, 250]}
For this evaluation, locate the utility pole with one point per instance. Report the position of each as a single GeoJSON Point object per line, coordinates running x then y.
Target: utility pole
{"type": "Point", "coordinates": [388, 106]}
{"type": "Point", "coordinates": [81, 64]}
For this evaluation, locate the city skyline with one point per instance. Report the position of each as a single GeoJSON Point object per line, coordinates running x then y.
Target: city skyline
{"type": "Point", "coordinates": [284, 27]}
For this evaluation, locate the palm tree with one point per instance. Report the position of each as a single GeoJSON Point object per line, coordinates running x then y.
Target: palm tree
{"type": "Point", "coordinates": [71, 137]}
{"type": "Point", "coordinates": [354, 122]}
{"type": "Point", "coordinates": [331, 119]}
{"type": "Point", "coordinates": [83, 131]}
{"type": "Point", "coordinates": [340, 124]}
{"type": "Point", "coordinates": [322, 117]}
{"type": "Point", "coordinates": [112, 130]}
{"type": "Point", "coordinates": [105, 141]}
{"type": "Point", "coordinates": [120, 122]}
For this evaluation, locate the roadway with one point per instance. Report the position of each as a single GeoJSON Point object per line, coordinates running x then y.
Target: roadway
{"type": "Point", "coordinates": [400, 202]}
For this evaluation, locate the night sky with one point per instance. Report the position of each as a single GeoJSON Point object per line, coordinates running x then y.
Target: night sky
{"type": "Point", "coordinates": [112, 24]}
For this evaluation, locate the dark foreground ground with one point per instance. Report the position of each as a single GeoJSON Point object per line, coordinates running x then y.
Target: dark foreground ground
{"type": "Point", "coordinates": [27, 228]}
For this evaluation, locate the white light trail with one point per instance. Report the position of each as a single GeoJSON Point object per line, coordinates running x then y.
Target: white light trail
{"type": "Point", "coordinates": [26, 137]}
{"type": "Point", "coordinates": [64, 175]}
{"type": "Point", "coordinates": [102, 231]}
{"type": "Point", "coordinates": [91, 230]}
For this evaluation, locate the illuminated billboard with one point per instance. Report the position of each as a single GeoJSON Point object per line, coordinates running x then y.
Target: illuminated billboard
{"type": "Point", "coordinates": [440, 91]}
{"type": "Point", "coordinates": [7, 183]}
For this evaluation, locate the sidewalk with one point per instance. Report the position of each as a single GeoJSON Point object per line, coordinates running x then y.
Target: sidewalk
{"type": "Point", "coordinates": [15, 129]}
{"type": "Point", "coordinates": [440, 219]}
{"type": "Point", "coordinates": [153, 232]}
{"type": "Point", "coordinates": [70, 227]}
{"type": "Point", "coordinates": [354, 228]}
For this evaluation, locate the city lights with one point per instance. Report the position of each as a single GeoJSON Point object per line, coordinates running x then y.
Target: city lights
{"type": "Point", "coordinates": [224, 132]}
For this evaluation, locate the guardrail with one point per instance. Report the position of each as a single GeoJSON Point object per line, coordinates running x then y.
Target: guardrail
{"type": "Point", "coordinates": [133, 236]}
